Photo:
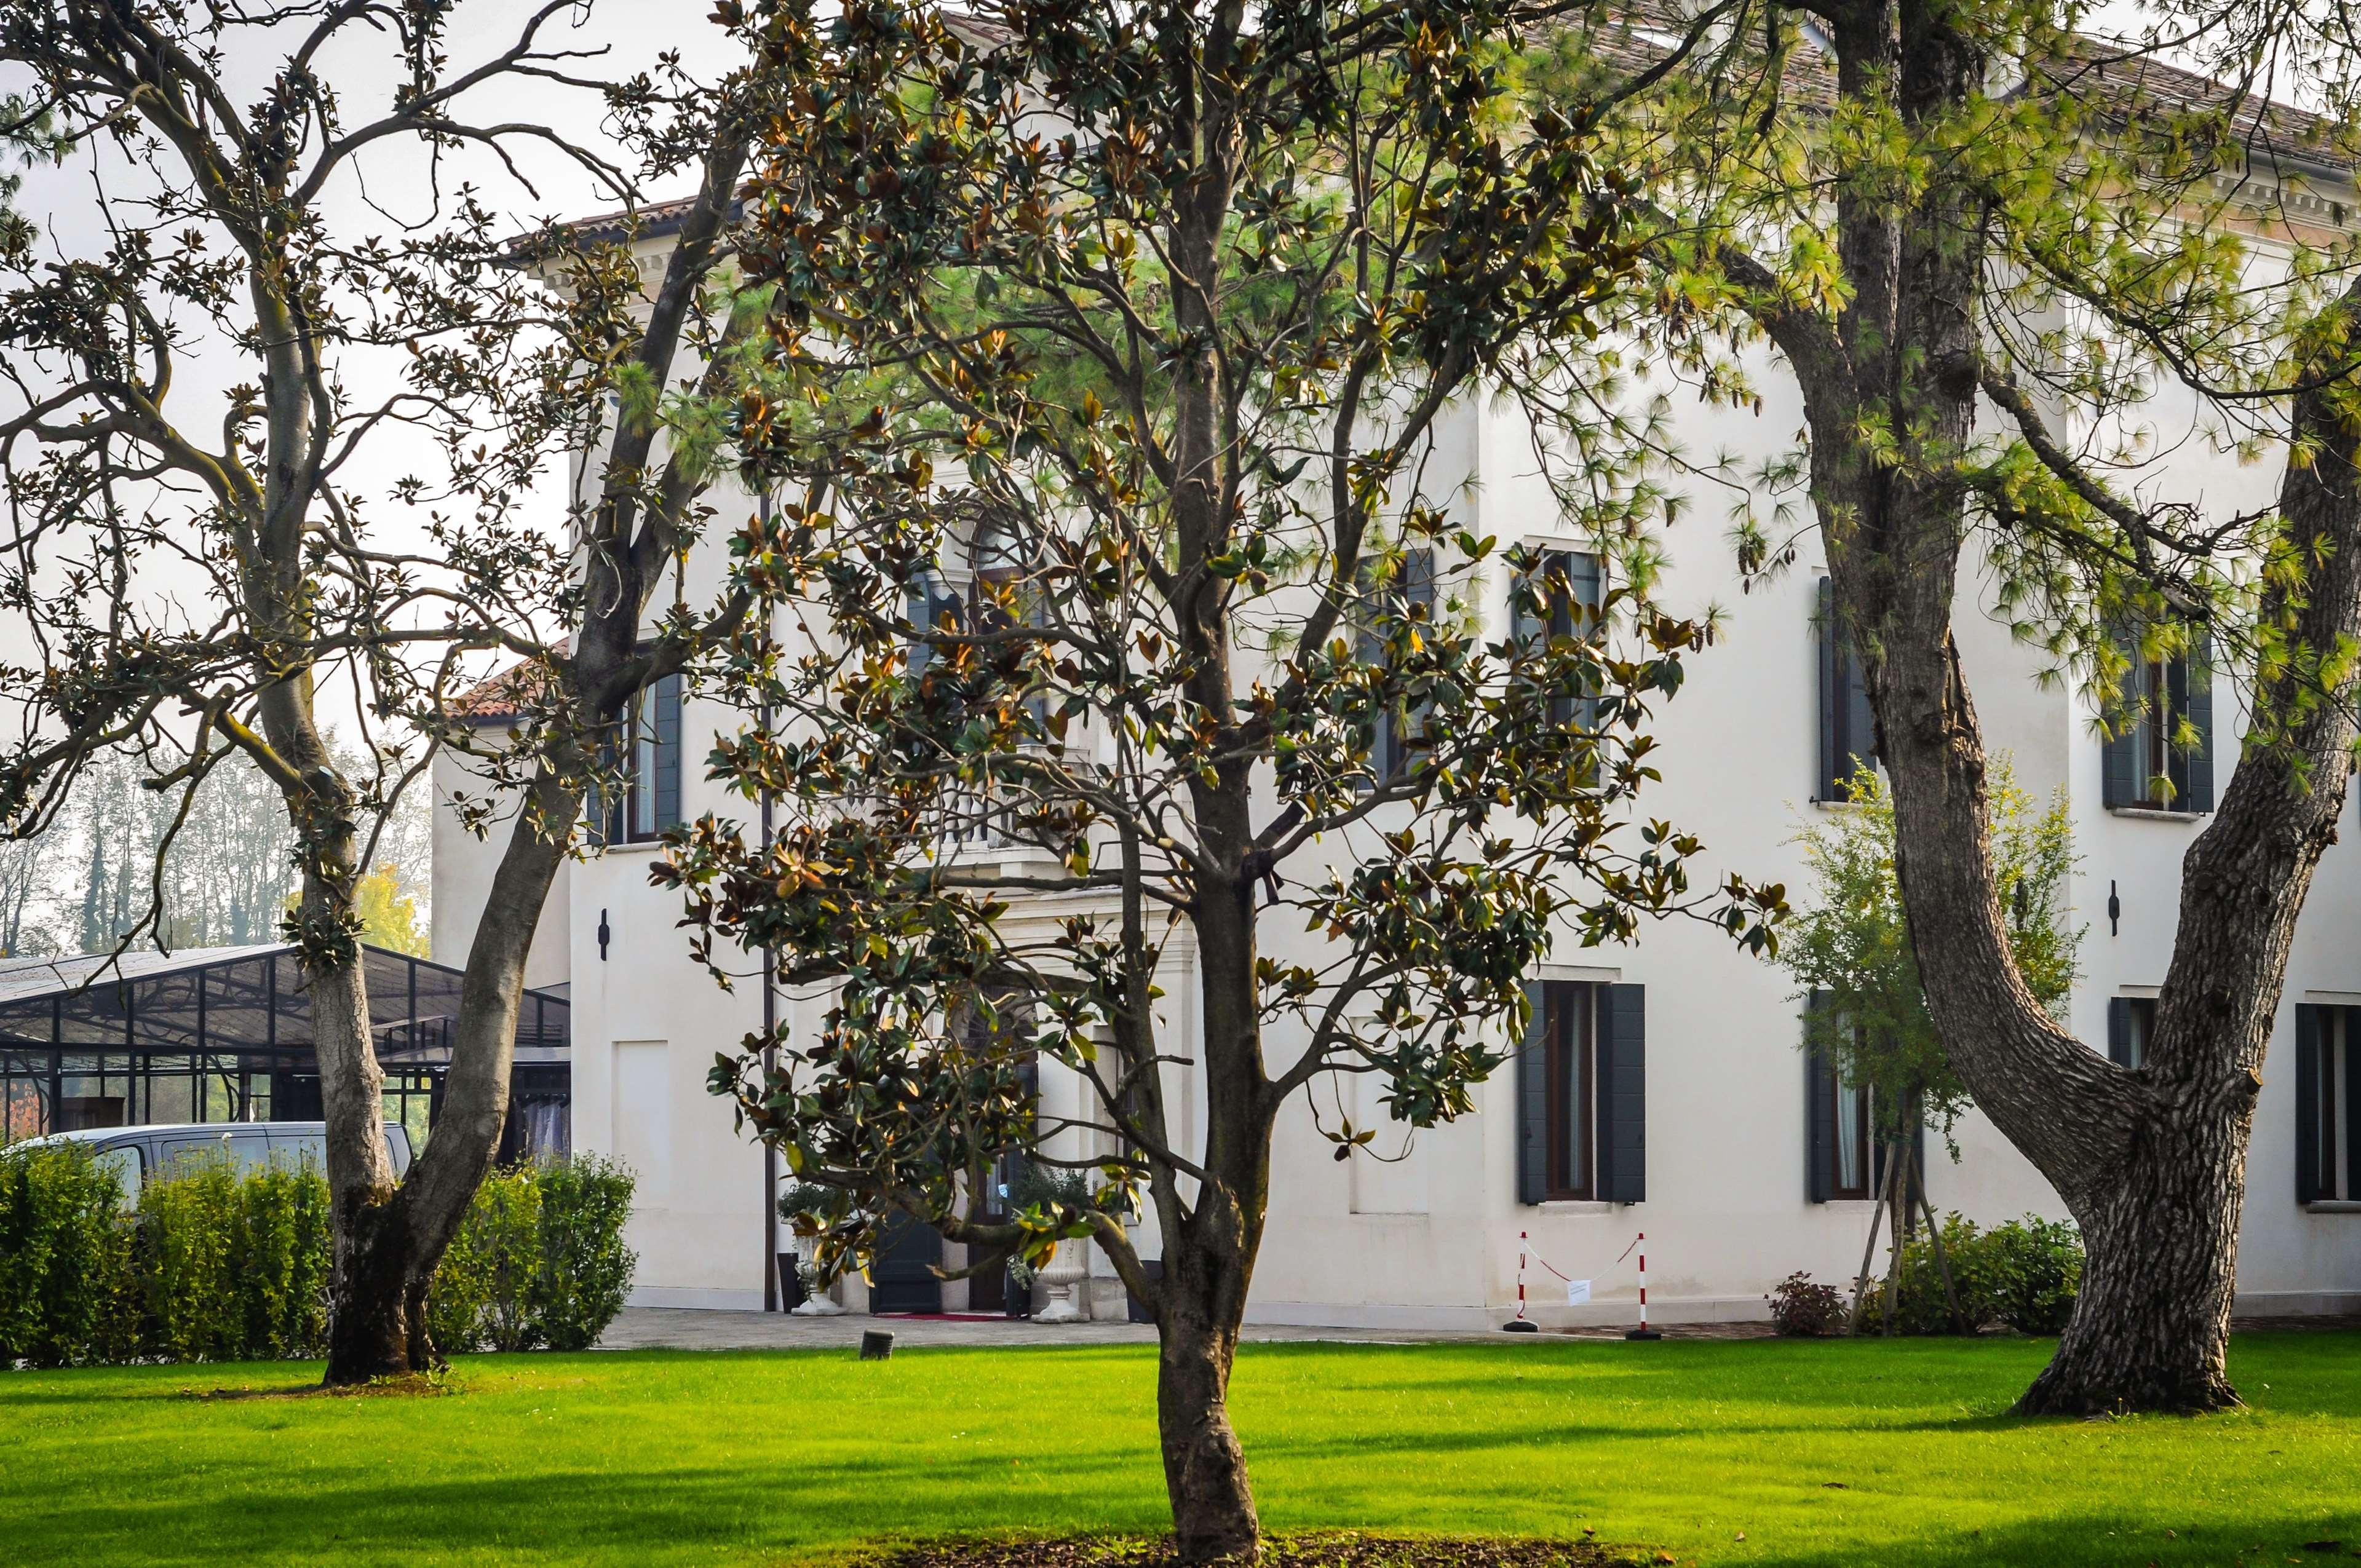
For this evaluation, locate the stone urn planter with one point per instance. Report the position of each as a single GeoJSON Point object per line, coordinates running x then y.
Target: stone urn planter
{"type": "Point", "coordinates": [1067, 1268]}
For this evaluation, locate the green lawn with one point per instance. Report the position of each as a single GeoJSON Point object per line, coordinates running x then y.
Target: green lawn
{"type": "Point", "coordinates": [663, 1457]}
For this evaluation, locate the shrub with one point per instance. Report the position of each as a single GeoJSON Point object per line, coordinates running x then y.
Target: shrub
{"type": "Point", "coordinates": [218, 1264]}
{"type": "Point", "coordinates": [539, 1260]}
{"type": "Point", "coordinates": [2035, 1268]}
{"type": "Point", "coordinates": [233, 1264]}
{"type": "Point", "coordinates": [585, 1269]}
{"type": "Point", "coordinates": [283, 1251]}
{"type": "Point", "coordinates": [2025, 1274]}
{"type": "Point", "coordinates": [1806, 1310]}
{"type": "Point", "coordinates": [66, 1289]}
{"type": "Point", "coordinates": [482, 1296]}
{"type": "Point", "coordinates": [1920, 1306]}
{"type": "Point", "coordinates": [188, 1258]}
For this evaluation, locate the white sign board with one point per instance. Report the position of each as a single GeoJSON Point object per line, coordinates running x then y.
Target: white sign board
{"type": "Point", "coordinates": [1577, 1291]}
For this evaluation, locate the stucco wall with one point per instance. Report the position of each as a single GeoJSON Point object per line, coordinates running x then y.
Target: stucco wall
{"type": "Point", "coordinates": [1434, 1239]}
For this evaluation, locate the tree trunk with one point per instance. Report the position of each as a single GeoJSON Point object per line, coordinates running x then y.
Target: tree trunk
{"type": "Point", "coordinates": [1869, 1256]}
{"type": "Point", "coordinates": [1204, 1469]}
{"type": "Point", "coordinates": [2160, 1267]}
{"type": "Point", "coordinates": [1943, 1263]}
{"type": "Point", "coordinates": [389, 1241]}
{"type": "Point", "coordinates": [377, 1316]}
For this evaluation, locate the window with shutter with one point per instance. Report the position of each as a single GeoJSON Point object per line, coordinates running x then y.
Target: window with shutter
{"type": "Point", "coordinates": [1581, 1086]}
{"type": "Point", "coordinates": [1848, 727]}
{"type": "Point", "coordinates": [2131, 1022]}
{"type": "Point", "coordinates": [2328, 1105]}
{"type": "Point", "coordinates": [2159, 745]}
{"type": "Point", "coordinates": [649, 745]}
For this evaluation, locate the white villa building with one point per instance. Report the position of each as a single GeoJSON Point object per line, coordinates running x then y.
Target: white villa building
{"type": "Point", "coordinates": [1749, 1170]}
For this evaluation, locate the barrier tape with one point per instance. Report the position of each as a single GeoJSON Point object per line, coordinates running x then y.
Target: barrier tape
{"type": "Point", "coordinates": [1521, 1323]}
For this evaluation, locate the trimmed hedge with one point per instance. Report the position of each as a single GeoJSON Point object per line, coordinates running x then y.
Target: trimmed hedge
{"type": "Point", "coordinates": [221, 1263]}
{"type": "Point", "coordinates": [67, 1296]}
{"type": "Point", "coordinates": [540, 1260]}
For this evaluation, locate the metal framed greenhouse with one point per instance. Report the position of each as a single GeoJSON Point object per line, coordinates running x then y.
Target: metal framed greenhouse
{"type": "Point", "coordinates": [224, 1034]}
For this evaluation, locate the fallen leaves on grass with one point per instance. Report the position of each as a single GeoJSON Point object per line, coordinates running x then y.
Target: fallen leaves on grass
{"type": "Point", "coordinates": [415, 1385]}
{"type": "Point", "coordinates": [1326, 1549]}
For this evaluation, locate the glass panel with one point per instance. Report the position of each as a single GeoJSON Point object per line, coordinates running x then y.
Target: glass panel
{"type": "Point", "coordinates": [122, 1164]}
{"type": "Point", "coordinates": [643, 769]}
{"type": "Point", "coordinates": [297, 1150]}
{"type": "Point", "coordinates": [179, 1157]}
{"type": "Point", "coordinates": [169, 1097]}
{"type": "Point", "coordinates": [1573, 1125]}
{"type": "Point", "coordinates": [1853, 1152]}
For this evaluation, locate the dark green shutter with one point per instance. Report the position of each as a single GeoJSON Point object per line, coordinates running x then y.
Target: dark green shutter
{"type": "Point", "coordinates": [663, 703]}
{"type": "Point", "coordinates": [1533, 1100]}
{"type": "Point", "coordinates": [2307, 1102]}
{"type": "Point", "coordinates": [1848, 724]}
{"type": "Point", "coordinates": [2119, 1030]}
{"type": "Point", "coordinates": [1415, 589]}
{"type": "Point", "coordinates": [1859, 738]}
{"type": "Point", "coordinates": [2197, 681]}
{"type": "Point", "coordinates": [1831, 781]}
{"type": "Point", "coordinates": [1622, 1083]}
{"type": "Point", "coordinates": [2120, 783]}
{"type": "Point", "coordinates": [1819, 1108]}
{"type": "Point", "coordinates": [2351, 1108]}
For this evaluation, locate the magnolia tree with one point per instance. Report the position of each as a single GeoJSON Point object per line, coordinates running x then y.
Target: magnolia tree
{"type": "Point", "coordinates": [192, 576]}
{"type": "Point", "coordinates": [2008, 266]}
{"type": "Point", "coordinates": [1113, 570]}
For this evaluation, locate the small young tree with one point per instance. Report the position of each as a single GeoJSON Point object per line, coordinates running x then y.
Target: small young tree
{"type": "Point", "coordinates": [191, 577]}
{"type": "Point", "coordinates": [1848, 945]}
{"type": "Point", "coordinates": [1116, 570]}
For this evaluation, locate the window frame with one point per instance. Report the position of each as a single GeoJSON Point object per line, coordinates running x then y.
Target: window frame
{"type": "Point", "coordinates": [1556, 560]}
{"type": "Point", "coordinates": [2144, 769]}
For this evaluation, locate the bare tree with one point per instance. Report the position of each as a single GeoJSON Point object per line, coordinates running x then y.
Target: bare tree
{"type": "Point", "coordinates": [288, 582]}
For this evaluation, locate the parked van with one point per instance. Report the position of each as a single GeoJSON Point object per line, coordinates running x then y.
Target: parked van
{"type": "Point", "coordinates": [137, 1153]}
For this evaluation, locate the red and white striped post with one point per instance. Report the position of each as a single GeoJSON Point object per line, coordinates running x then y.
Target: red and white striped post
{"type": "Point", "coordinates": [1520, 1324]}
{"type": "Point", "coordinates": [1644, 1331]}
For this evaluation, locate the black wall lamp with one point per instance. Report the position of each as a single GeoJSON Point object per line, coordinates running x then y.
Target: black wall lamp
{"type": "Point", "coordinates": [603, 935]}
{"type": "Point", "coordinates": [2114, 910]}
